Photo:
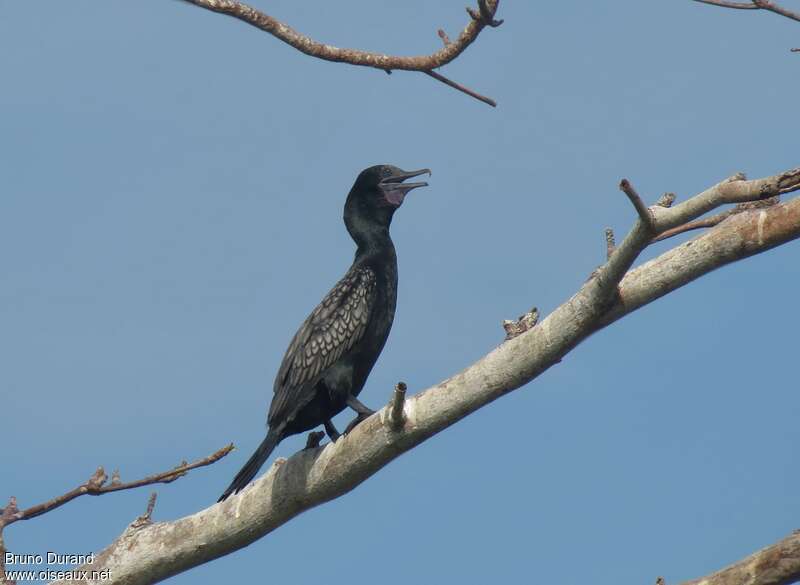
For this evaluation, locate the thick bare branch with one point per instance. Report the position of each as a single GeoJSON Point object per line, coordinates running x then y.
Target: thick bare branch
{"type": "Point", "coordinates": [314, 476]}
{"type": "Point", "coordinates": [479, 20]}
{"type": "Point", "coordinates": [778, 564]}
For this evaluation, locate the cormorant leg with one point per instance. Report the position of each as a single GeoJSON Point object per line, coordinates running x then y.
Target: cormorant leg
{"type": "Point", "coordinates": [312, 442]}
{"type": "Point", "coordinates": [331, 430]}
{"type": "Point", "coordinates": [362, 410]}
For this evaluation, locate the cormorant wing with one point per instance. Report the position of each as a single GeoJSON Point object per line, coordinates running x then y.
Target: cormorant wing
{"type": "Point", "coordinates": [332, 328]}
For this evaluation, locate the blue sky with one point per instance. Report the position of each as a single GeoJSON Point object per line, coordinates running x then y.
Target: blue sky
{"type": "Point", "coordinates": [172, 188]}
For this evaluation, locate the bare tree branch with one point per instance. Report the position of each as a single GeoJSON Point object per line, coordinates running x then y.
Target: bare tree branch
{"type": "Point", "coordinates": [773, 7]}
{"type": "Point", "coordinates": [724, 4]}
{"type": "Point", "coordinates": [479, 19]}
{"type": "Point", "coordinates": [778, 564]}
{"type": "Point", "coordinates": [755, 5]}
{"type": "Point", "coordinates": [314, 476]}
{"type": "Point", "coordinates": [96, 486]}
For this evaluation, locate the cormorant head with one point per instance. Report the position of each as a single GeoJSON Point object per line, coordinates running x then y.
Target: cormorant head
{"type": "Point", "coordinates": [376, 194]}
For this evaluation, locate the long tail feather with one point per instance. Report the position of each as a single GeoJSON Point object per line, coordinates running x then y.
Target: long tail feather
{"type": "Point", "coordinates": [250, 469]}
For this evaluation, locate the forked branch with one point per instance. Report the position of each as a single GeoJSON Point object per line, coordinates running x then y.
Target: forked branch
{"type": "Point", "coordinates": [320, 474]}
{"type": "Point", "coordinates": [479, 19]}
{"type": "Point", "coordinates": [97, 485]}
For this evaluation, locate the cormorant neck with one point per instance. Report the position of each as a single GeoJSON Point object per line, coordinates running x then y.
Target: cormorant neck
{"type": "Point", "coordinates": [374, 240]}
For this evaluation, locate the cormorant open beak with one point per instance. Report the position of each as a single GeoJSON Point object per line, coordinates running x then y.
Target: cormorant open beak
{"type": "Point", "coordinates": [393, 188]}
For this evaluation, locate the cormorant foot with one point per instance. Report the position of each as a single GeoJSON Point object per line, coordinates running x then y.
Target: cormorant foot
{"type": "Point", "coordinates": [355, 422]}
{"type": "Point", "coordinates": [313, 440]}
{"type": "Point", "coordinates": [331, 430]}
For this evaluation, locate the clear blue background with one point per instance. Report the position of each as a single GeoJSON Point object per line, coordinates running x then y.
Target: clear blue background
{"type": "Point", "coordinates": [172, 184]}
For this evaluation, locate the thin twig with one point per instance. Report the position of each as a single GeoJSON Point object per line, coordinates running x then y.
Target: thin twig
{"type": "Point", "coordinates": [714, 220]}
{"type": "Point", "coordinates": [151, 504]}
{"type": "Point", "coordinates": [695, 225]}
{"type": "Point", "coordinates": [147, 517]}
{"type": "Point", "coordinates": [425, 63]}
{"type": "Point", "coordinates": [724, 4]}
{"type": "Point", "coordinates": [755, 5]}
{"type": "Point", "coordinates": [459, 87]}
{"type": "Point", "coordinates": [94, 486]}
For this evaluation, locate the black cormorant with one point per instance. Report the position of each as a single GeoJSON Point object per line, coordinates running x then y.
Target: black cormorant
{"type": "Point", "coordinates": [333, 352]}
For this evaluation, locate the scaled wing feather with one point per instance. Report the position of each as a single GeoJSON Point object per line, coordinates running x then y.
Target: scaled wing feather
{"type": "Point", "coordinates": [332, 328]}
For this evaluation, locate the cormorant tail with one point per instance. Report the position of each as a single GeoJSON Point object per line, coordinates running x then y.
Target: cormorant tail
{"type": "Point", "coordinates": [250, 469]}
